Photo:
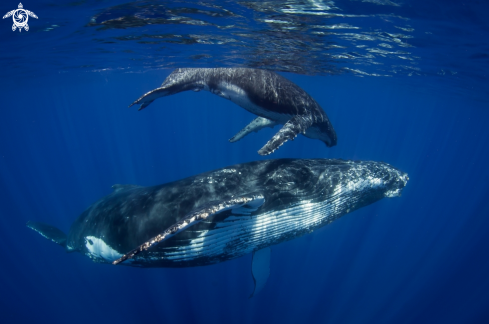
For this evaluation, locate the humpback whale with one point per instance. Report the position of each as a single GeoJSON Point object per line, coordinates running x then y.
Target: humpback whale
{"type": "Point", "coordinates": [224, 214]}
{"type": "Point", "coordinates": [273, 98]}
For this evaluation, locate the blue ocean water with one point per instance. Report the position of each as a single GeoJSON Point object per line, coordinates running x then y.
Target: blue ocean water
{"type": "Point", "coordinates": [402, 82]}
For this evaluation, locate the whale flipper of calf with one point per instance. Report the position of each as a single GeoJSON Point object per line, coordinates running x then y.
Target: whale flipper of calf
{"type": "Point", "coordinates": [272, 97]}
{"type": "Point", "coordinates": [224, 214]}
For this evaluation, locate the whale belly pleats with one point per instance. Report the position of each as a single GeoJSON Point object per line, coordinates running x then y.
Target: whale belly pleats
{"type": "Point", "coordinates": [238, 235]}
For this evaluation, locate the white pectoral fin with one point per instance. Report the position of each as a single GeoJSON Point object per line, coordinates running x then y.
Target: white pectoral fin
{"type": "Point", "coordinates": [257, 124]}
{"type": "Point", "coordinates": [297, 124]}
{"type": "Point", "coordinates": [260, 269]}
{"type": "Point", "coordinates": [240, 205]}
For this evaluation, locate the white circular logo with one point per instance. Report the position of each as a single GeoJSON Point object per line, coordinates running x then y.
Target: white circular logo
{"type": "Point", "coordinates": [20, 17]}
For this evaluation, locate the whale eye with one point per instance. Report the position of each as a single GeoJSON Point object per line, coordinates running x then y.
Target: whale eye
{"type": "Point", "coordinates": [90, 241]}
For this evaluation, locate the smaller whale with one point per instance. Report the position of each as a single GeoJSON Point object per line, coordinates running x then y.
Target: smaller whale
{"type": "Point", "coordinates": [224, 214]}
{"type": "Point", "coordinates": [273, 98]}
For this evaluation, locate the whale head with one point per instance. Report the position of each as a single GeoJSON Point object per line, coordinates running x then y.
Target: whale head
{"type": "Point", "coordinates": [324, 132]}
{"type": "Point", "coordinates": [359, 182]}
{"type": "Point", "coordinates": [378, 179]}
{"type": "Point", "coordinates": [395, 181]}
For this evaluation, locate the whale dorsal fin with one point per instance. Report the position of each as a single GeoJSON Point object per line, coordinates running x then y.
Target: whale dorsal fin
{"type": "Point", "coordinates": [239, 205]}
{"type": "Point", "coordinates": [297, 124]}
{"type": "Point", "coordinates": [49, 232]}
{"type": "Point", "coordinates": [119, 187]}
{"type": "Point", "coordinates": [257, 124]}
{"type": "Point", "coordinates": [260, 268]}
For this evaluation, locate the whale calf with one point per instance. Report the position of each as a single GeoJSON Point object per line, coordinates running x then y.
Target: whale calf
{"type": "Point", "coordinates": [224, 214]}
{"type": "Point", "coordinates": [270, 96]}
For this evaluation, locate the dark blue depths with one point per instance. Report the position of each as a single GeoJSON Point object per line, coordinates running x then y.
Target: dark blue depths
{"type": "Point", "coordinates": [421, 258]}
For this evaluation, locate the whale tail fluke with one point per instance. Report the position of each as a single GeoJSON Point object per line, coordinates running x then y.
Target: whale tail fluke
{"type": "Point", "coordinates": [49, 232]}
{"type": "Point", "coordinates": [149, 97]}
{"type": "Point", "coordinates": [145, 104]}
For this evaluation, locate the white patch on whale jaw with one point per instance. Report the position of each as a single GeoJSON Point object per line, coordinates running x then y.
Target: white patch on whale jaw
{"type": "Point", "coordinates": [98, 249]}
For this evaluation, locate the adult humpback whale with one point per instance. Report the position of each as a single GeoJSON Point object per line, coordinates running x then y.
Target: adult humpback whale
{"type": "Point", "coordinates": [224, 214]}
{"type": "Point", "coordinates": [276, 100]}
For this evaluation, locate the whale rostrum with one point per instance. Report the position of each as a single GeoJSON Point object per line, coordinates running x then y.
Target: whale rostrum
{"type": "Point", "coordinates": [273, 98]}
{"type": "Point", "coordinates": [224, 214]}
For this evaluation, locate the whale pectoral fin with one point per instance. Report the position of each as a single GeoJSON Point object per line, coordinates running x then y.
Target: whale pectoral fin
{"type": "Point", "coordinates": [49, 232]}
{"type": "Point", "coordinates": [260, 269]}
{"type": "Point", "coordinates": [240, 205]}
{"type": "Point", "coordinates": [145, 104]}
{"type": "Point", "coordinates": [146, 99]}
{"type": "Point", "coordinates": [257, 124]}
{"type": "Point", "coordinates": [297, 124]}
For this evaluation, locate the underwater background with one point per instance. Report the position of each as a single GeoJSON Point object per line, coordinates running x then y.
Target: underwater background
{"type": "Point", "coordinates": [404, 82]}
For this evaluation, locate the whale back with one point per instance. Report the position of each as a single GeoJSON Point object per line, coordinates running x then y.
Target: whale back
{"type": "Point", "coordinates": [267, 89]}
{"type": "Point", "coordinates": [263, 88]}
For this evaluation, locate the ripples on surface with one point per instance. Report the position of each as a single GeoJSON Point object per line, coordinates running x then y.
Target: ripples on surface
{"type": "Point", "coordinates": [310, 37]}
{"type": "Point", "coordinates": [364, 38]}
